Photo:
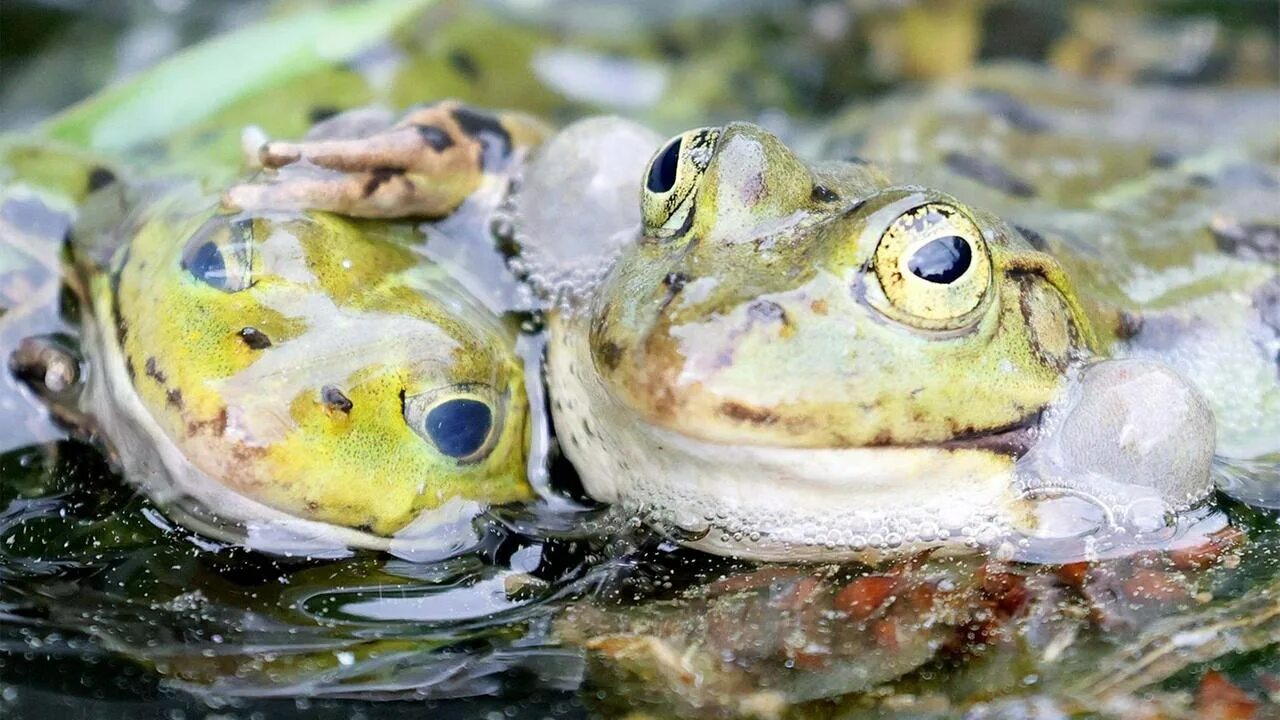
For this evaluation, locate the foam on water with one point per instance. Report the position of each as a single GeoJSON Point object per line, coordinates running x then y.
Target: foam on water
{"type": "Point", "coordinates": [1078, 529]}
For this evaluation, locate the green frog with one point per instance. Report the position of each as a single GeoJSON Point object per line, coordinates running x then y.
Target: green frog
{"type": "Point", "coordinates": [791, 359]}
{"type": "Point", "coordinates": [298, 382]}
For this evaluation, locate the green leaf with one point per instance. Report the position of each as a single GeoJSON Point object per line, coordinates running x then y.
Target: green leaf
{"type": "Point", "coordinates": [211, 76]}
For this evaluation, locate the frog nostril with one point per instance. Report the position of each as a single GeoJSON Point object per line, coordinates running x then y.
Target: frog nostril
{"type": "Point", "coordinates": [824, 194]}
{"type": "Point", "coordinates": [255, 338]}
{"type": "Point", "coordinates": [662, 172]}
{"type": "Point", "coordinates": [334, 398]}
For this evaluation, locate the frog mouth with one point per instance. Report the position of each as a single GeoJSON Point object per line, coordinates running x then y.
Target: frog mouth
{"type": "Point", "coordinates": [1013, 440]}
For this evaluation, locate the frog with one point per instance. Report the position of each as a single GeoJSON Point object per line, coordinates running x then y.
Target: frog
{"type": "Point", "coordinates": [292, 382]}
{"type": "Point", "coordinates": [777, 358]}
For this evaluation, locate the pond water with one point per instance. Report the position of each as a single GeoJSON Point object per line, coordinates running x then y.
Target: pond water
{"type": "Point", "coordinates": [109, 608]}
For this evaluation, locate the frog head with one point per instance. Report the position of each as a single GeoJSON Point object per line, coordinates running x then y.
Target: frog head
{"type": "Point", "coordinates": [313, 364]}
{"type": "Point", "coordinates": [806, 347]}
{"type": "Point", "coordinates": [774, 303]}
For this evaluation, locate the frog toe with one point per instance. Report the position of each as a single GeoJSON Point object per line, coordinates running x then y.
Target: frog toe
{"type": "Point", "coordinates": [378, 193]}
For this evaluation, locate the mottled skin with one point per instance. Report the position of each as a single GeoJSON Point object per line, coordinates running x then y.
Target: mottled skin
{"type": "Point", "coordinates": [299, 373]}
{"type": "Point", "coordinates": [758, 642]}
{"type": "Point", "coordinates": [801, 641]}
{"type": "Point", "coordinates": [751, 312]}
{"type": "Point", "coordinates": [425, 165]}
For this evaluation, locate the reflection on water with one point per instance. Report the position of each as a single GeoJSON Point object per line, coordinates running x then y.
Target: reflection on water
{"type": "Point", "coordinates": [91, 567]}
{"type": "Point", "coordinates": [107, 609]}
{"type": "Point", "coordinates": [92, 574]}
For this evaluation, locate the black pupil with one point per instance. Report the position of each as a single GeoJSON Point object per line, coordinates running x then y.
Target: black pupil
{"type": "Point", "coordinates": [208, 266]}
{"type": "Point", "coordinates": [459, 427]}
{"type": "Point", "coordinates": [662, 173]}
{"type": "Point", "coordinates": [942, 260]}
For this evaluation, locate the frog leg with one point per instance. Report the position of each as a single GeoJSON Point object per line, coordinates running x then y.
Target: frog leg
{"type": "Point", "coordinates": [425, 165]}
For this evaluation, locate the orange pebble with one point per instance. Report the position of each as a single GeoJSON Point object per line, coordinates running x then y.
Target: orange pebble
{"type": "Point", "coordinates": [862, 597]}
{"type": "Point", "coordinates": [1008, 591]}
{"type": "Point", "coordinates": [1073, 574]}
{"type": "Point", "coordinates": [885, 632]}
{"type": "Point", "coordinates": [1154, 586]}
{"type": "Point", "coordinates": [1202, 556]}
{"type": "Point", "coordinates": [1218, 699]}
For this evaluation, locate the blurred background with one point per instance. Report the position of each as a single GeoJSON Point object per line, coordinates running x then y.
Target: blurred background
{"type": "Point", "coordinates": [656, 59]}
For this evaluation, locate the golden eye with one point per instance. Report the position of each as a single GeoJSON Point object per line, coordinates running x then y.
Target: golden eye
{"type": "Point", "coordinates": [220, 253]}
{"type": "Point", "coordinates": [666, 200]}
{"type": "Point", "coordinates": [461, 421]}
{"type": "Point", "coordinates": [933, 267]}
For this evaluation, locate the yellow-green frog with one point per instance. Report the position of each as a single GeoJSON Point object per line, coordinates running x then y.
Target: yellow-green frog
{"type": "Point", "coordinates": [298, 382]}
{"type": "Point", "coordinates": [796, 360]}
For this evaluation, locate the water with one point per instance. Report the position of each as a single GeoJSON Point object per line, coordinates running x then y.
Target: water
{"type": "Point", "coordinates": [109, 609]}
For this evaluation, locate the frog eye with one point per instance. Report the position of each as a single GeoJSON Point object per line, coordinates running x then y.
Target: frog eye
{"type": "Point", "coordinates": [666, 200]}
{"type": "Point", "coordinates": [933, 267]}
{"type": "Point", "coordinates": [459, 420]}
{"type": "Point", "coordinates": [220, 253]}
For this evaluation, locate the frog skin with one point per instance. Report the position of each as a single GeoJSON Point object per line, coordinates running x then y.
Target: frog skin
{"type": "Point", "coordinates": [792, 360]}
{"type": "Point", "coordinates": [296, 382]}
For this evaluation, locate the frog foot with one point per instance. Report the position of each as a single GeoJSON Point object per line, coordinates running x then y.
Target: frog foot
{"type": "Point", "coordinates": [48, 366]}
{"type": "Point", "coordinates": [52, 370]}
{"type": "Point", "coordinates": [425, 165]}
